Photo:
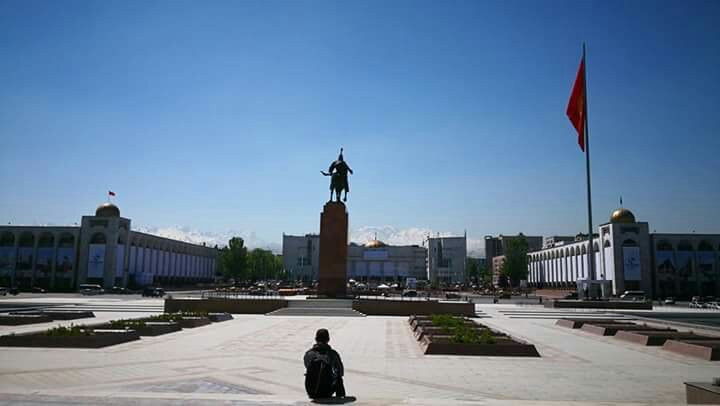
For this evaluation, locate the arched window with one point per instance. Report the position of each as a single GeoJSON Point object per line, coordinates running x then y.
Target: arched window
{"type": "Point", "coordinates": [98, 238]}
{"type": "Point", "coordinates": [629, 243]}
{"type": "Point", "coordinates": [664, 246]}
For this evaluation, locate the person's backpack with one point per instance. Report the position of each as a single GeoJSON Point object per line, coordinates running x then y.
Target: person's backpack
{"type": "Point", "coordinates": [319, 377]}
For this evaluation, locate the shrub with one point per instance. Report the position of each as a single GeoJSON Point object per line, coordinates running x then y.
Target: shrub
{"type": "Point", "coordinates": [175, 316]}
{"type": "Point", "coordinates": [127, 323]}
{"type": "Point", "coordinates": [72, 331]}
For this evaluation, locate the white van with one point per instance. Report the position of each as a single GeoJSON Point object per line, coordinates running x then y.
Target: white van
{"type": "Point", "coordinates": [90, 289]}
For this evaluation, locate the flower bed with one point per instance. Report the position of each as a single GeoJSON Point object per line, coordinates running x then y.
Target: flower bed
{"type": "Point", "coordinates": [453, 335]}
{"type": "Point", "coordinates": [143, 326]}
{"type": "Point", "coordinates": [70, 337]}
{"type": "Point", "coordinates": [184, 319]}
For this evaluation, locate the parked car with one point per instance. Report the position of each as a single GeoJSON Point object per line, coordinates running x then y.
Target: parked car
{"type": "Point", "coordinates": [713, 305]}
{"type": "Point", "coordinates": [634, 295]}
{"type": "Point", "coordinates": [452, 295]}
{"type": "Point", "coordinates": [37, 289]}
{"type": "Point", "coordinates": [13, 291]}
{"type": "Point", "coordinates": [410, 293]}
{"type": "Point", "coordinates": [119, 290]}
{"type": "Point", "coordinates": [91, 289]}
{"type": "Point", "coordinates": [153, 292]}
{"type": "Point", "coordinates": [571, 296]}
{"type": "Point", "coordinates": [669, 301]}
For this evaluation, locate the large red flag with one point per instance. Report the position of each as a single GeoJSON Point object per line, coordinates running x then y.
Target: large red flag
{"type": "Point", "coordinates": [576, 105]}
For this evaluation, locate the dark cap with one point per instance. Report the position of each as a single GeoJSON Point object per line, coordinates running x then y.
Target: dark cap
{"type": "Point", "coordinates": [322, 335]}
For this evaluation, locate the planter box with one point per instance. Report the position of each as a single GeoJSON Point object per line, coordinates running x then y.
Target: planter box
{"type": "Point", "coordinates": [597, 304]}
{"type": "Point", "coordinates": [438, 331]}
{"type": "Point", "coordinates": [235, 306]}
{"type": "Point", "coordinates": [217, 317]}
{"type": "Point", "coordinates": [58, 314]}
{"type": "Point", "coordinates": [419, 323]}
{"type": "Point", "coordinates": [502, 348]}
{"type": "Point", "coordinates": [408, 307]}
{"type": "Point", "coordinates": [656, 338]}
{"type": "Point", "coordinates": [709, 350]}
{"type": "Point", "coordinates": [101, 338]}
{"type": "Point", "coordinates": [578, 323]}
{"type": "Point", "coordinates": [612, 329]}
{"type": "Point", "coordinates": [20, 319]}
{"type": "Point", "coordinates": [701, 393]}
{"type": "Point", "coordinates": [192, 322]}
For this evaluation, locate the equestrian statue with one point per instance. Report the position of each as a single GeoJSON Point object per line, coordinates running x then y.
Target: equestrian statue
{"type": "Point", "coordinates": [338, 173]}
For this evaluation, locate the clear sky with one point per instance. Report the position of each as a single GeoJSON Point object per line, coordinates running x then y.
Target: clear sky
{"type": "Point", "coordinates": [220, 115]}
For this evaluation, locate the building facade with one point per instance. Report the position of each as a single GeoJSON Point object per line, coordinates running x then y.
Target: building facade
{"type": "Point", "coordinates": [625, 253]}
{"type": "Point", "coordinates": [301, 256]}
{"type": "Point", "coordinates": [380, 262]}
{"type": "Point", "coordinates": [497, 264]}
{"type": "Point", "coordinates": [447, 260]}
{"type": "Point", "coordinates": [102, 250]}
{"type": "Point", "coordinates": [496, 246]}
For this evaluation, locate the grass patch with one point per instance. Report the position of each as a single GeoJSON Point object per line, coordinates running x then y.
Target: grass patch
{"type": "Point", "coordinates": [460, 332]}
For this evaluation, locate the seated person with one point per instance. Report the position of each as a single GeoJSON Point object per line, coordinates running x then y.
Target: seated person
{"type": "Point", "coordinates": [323, 369]}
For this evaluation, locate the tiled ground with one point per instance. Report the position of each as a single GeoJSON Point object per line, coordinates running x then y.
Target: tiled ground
{"type": "Point", "coordinates": [257, 360]}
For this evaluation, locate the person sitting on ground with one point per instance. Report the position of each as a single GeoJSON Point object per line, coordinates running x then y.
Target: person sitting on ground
{"type": "Point", "coordinates": [323, 369]}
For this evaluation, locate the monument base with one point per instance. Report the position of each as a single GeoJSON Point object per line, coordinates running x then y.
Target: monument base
{"type": "Point", "coordinates": [332, 271]}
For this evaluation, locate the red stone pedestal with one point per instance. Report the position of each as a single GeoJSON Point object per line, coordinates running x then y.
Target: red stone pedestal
{"type": "Point", "coordinates": [332, 273]}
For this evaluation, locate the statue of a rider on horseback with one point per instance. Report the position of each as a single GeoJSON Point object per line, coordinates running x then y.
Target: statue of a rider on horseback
{"type": "Point", "coordinates": [338, 173]}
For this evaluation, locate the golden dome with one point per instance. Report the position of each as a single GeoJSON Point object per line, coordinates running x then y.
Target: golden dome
{"type": "Point", "coordinates": [375, 244]}
{"type": "Point", "coordinates": [107, 210]}
{"type": "Point", "coordinates": [622, 215]}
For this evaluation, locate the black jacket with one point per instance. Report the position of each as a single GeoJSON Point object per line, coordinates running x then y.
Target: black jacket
{"type": "Point", "coordinates": [334, 357]}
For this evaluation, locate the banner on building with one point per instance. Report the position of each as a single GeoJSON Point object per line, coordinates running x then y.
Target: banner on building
{"type": "Point", "coordinates": [631, 263]}
{"type": "Point", "coordinates": [96, 260]}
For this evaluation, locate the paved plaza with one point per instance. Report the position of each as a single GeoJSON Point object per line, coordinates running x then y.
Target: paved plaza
{"type": "Point", "coordinates": [257, 359]}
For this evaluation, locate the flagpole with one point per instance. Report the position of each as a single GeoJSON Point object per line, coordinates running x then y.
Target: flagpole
{"type": "Point", "coordinates": [591, 252]}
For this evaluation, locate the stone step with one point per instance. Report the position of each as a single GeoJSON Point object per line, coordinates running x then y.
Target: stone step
{"type": "Point", "coordinates": [321, 304]}
{"type": "Point", "coordinates": [318, 312]}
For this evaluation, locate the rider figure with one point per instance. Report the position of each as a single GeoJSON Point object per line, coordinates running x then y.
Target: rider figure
{"type": "Point", "coordinates": [338, 172]}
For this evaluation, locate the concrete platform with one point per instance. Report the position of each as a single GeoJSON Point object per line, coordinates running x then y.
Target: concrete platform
{"type": "Point", "coordinates": [255, 359]}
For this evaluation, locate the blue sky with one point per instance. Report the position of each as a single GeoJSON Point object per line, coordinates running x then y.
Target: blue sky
{"type": "Point", "coordinates": [219, 115]}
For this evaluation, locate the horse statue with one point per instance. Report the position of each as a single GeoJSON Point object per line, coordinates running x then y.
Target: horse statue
{"type": "Point", "coordinates": [338, 173]}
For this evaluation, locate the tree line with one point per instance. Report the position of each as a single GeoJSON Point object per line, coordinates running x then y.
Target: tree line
{"type": "Point", "coordinates": [241, 264]}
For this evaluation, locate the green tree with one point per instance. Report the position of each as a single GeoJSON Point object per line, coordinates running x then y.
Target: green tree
{"type": "Point", "coordinates": [263, 265]}
{"type": "Point", "coordinates": [515, 266]}
{"type": "Point", "coordinates": [485, 275]}
{"type": "Point", "coordinates": [473, 270]}
{"type": "Point", "coordinates": [233, 259]}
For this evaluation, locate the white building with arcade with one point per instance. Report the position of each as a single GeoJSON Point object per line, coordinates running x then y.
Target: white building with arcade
{"type": "Point", "coordinates": [102, 250]}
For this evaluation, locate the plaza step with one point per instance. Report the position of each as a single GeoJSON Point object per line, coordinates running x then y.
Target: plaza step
{"type": "Point", "coordinates": [318, 307]}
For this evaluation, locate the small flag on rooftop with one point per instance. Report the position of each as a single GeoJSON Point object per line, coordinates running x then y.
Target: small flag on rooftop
{"type": "Point", "coordinates": [111, 193]}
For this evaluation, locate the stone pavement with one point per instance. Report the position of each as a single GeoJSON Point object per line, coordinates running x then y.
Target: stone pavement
{"type": "Point", "coordinates": [258, 360]}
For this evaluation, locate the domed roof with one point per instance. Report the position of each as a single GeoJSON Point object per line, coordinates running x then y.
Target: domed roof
{"type": "Point", "coordinates": [375, 244]}
{"type": "Point", "coordinates": [622, 215]}
{"type": "Point", "coordinates": [107, 210]}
